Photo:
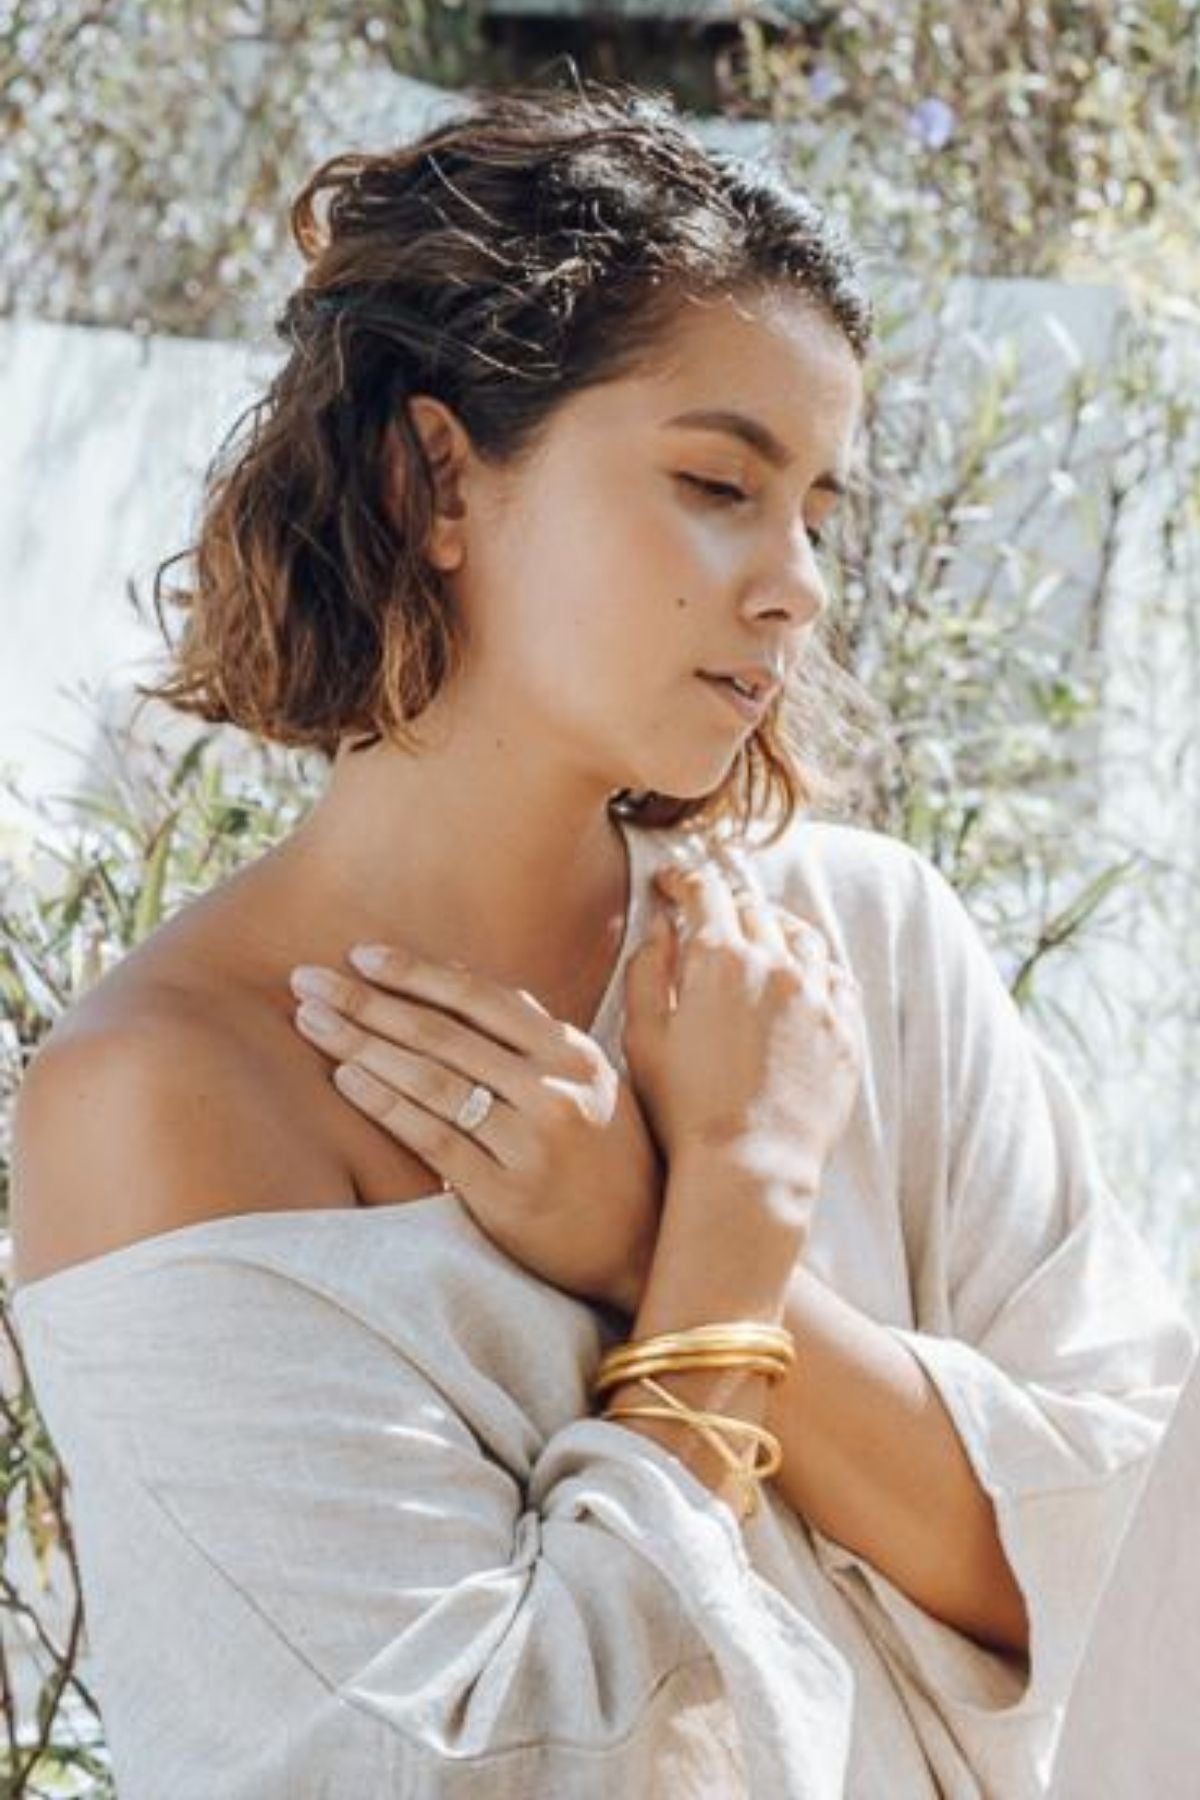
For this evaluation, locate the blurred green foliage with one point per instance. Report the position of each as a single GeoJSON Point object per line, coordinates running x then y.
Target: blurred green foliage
{"type": "Point", "coordinates": [110, 865]}
{"type": "Point", "coordinates": [1028, 137]}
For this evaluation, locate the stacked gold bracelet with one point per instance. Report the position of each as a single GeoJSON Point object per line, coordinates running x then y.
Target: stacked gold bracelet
{"type": "Point", "coordinates": [747, 1344]}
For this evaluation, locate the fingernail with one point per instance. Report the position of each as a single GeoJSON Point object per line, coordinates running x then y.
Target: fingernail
{"type": "Point", "coordinates": [314, 983]}
{"type": "Point", "coordinates": [372, 959]}
{"type": "Point", "coordinates": [314, 1017]}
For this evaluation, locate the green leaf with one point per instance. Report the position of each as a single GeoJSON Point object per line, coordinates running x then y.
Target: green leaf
{"type": "Point", "coordinates": [150, 900]}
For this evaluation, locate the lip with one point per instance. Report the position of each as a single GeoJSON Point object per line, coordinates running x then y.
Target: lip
{"type": "Point", "coordinates": [764, 678]}
{"type": "Point", "coordinates": [750, 710]}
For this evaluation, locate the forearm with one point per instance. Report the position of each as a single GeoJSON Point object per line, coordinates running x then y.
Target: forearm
{"type": "Point", "coordinates": [872, 1458]}
{"type": "Point", "coordinates": [687, 1285]}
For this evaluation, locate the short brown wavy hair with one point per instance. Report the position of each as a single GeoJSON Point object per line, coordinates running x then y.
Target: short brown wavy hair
{"type": "Point", "coordinates": [535, 244]}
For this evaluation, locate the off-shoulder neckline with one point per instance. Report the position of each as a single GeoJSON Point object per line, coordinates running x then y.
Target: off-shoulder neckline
{"type": "Point", "coordinates": [245, 1221]}
{"type": "Point", "coordinates": [149, 1245]}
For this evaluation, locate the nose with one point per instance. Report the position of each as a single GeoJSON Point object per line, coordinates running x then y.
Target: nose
{"type": "Point", "coordinates": [789, 583]}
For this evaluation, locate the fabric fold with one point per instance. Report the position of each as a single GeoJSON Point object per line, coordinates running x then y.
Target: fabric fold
{"type": "Point", "coordinates": [791, 1692]}
{"type": "Point", "coordinates": [1048, 1331]}
{"type": "Point", "coordinates": [1132, 1726]}
{"type": "Point", "coordinates": [351, 1542]}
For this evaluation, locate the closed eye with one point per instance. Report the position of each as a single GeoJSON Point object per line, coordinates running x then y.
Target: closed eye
{"type": "Point", "coordinates": [718, 489]}
{"type": "Point", "coordinates": [724, 493]}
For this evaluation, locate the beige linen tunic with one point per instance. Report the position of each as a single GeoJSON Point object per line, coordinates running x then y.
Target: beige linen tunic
{"type": "Point", "coordinates": [346, 1527]}
{"type": "Point", "coordinates": [1132, 1725]}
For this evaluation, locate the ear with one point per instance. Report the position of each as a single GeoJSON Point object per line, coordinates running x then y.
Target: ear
{"type": "Point", "coordinates": [447, 448]}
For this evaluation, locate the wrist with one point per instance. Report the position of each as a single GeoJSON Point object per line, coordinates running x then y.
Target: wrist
{"type": "Point", "coordinates": [723, 1253]}
{"type": "Point", "coordinates": [783, 1183]}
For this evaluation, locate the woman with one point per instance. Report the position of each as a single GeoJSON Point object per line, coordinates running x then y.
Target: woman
{"type": "Point", "coordinates": [458, 1495]}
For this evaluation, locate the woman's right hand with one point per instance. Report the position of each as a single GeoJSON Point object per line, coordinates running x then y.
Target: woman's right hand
{"type": "Point", "coordinates": [744, 1037]}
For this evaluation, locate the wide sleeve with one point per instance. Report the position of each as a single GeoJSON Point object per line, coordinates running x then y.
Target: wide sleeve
{"type": "Point", "coordinates": [1043, 1322]}
{"type": "Point", "coordinates": [1132, 1725]}
{"type": "Point", "coordinates": [311, 1573]}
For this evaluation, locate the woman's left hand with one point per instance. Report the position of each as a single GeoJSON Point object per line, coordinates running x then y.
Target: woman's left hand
{"type": "Point", "coordinates": [562, 1173]}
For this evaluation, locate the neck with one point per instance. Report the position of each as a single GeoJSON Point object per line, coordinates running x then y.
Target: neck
{"type": "Point", "coordinates": [523, 884]}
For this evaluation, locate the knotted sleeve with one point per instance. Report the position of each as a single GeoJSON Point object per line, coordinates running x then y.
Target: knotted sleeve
{"type": "Point", "coordinates": [308, 1572]}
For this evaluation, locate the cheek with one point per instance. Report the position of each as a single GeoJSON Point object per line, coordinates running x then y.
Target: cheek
{"type": "Point", "coordinates": [678, 546]}
{"type": "Point", "coordinates": [711, 546]}
{"type": "Point", "coordinates": [584, 595]}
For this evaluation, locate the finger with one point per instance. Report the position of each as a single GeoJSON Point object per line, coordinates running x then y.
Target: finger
{"type": "Point", "coordinates": [438, 1091]}
{"type": "Point", "coordinates": [511, 1016]}
{"type": "Point", "coordinates": [843, 978]}
{"type": "Point", "coordinates": [811, 950]}
{"type": "Point", "coordinates": [386, 1033]}
{"type": "Point", "coordinates": [703, 902]}
{"type": "Point", "coordinates": [756, 913]}
{"type": "Point", "coordinates": [461, 1158]}
{"type": "Point", "coordinates": [843, 973]}
{"type": "Point", "coordinates": [649, 972]}
{"type": "Point", "coordinates": [808, 939]}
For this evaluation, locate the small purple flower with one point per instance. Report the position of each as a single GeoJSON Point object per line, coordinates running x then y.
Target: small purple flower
{"type": "Point", "coordinates": [824, 83]}
{"type": "Point", "coordinates": [933, 122]}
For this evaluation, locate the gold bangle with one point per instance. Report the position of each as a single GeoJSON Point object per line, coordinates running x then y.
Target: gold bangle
{"type": "Point", "coordinates": [747, 1344]}
{"type": "Point", "coordinates": [630, 1367]}
{"type": "Point", "coordinates": [743, 1338]}
{"type": "Point", "coordinates": [743, 1477]}
{"type": "Point", "coordinates": [759, 1433]}
{"type": "Point", "coordinates": [704, 1423]}
{"type": "Point", "coordinates": [661, 1347]}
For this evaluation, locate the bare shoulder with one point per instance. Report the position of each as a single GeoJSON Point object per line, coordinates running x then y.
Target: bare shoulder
{"type": "Point", "coordinates": [147, 1110]}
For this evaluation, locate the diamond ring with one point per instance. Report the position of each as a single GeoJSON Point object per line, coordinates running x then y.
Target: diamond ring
{"type": "Point", "coordinates": [475, 1108]}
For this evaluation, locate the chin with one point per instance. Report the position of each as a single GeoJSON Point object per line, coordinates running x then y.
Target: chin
{"type": "Point", "coordinates": [679, 765]}
{"type": "Point", "coordinates": [678, 781]}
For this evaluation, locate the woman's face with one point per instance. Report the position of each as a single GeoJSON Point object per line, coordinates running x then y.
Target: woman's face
{"type": "Point", "coordinates": [633, 551]}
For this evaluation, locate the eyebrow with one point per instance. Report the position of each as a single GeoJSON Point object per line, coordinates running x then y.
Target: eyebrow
{"type": "Point", "coordinates": [756, 434]}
